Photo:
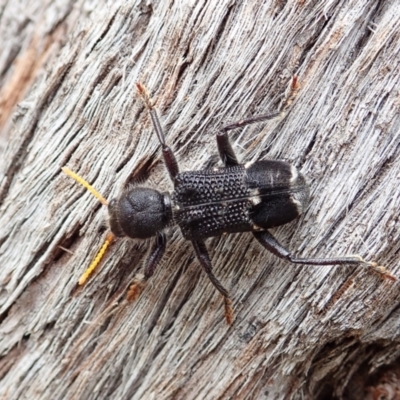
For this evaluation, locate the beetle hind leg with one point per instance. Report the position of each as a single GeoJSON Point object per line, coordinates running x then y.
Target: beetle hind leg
{"type": "Point", "coordinates": [140, 280]}
{"type": "Point", "coordinates": [267, 240]}
{"type": "Point", "coordinates": [204, 258]}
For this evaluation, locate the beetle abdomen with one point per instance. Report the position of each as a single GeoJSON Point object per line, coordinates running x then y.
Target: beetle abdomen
{"type": "Point", "coordinates": [279, 193]}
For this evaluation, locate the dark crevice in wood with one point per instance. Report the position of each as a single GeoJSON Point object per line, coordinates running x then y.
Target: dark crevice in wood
{"type": "Point", "coordinates": [382, 384]}
{"type": "Point", "coordinates": [187, 61]}
{"type": "Point", "coordinates": [66, 243]}
{"type": "Point", "coordinates": [187, 296]}
{"type": "Point", "coordinates": [63, 19]}
{"type": "Point", "coordinates": [146, 8]}
{"type": "Point", "coordinates": [368, 33]}
{"type": "Point", "coordinates": [38, 254]}
{"type": "Point", "coordinates": [182, 69]}
{"type": "Point", "coordinates": [104, 32]}
{"type": "Point", "coordinates": [222, 26]}
{"type": "Point", "coordinates": [128, 263]}
{"type": "Point", "coordinates": [7, 361]}
{"type": "Point", "coordinates": [166, 297]}
{"type": "Point", "coordinates": [112, 85]}
{"type": "Point", "coordinates": [12, 56]}
{"type": "Point", "coordinates": [3, 240]}
{"type": "Point", "coordinates": [5, 4]}
{"type": "Point", "coordinates": [149, 157]}
{"type": "Point", "coordinates": [338, 385]}
{"type": "Point", "coordinates": [210, 50]}
{"type": "Point", "coordinates": [105, 69]}
{"type": "Point", "coordinates": [312, 42]}
{"type": "Point", "coordinates": [20, 156]}
{"type": "Point", "coordinates": [142, 170]}
{"type": "Point", "coordinates": [67, 155]}
{"type": "Point", "coordinates": [133, 387]}
{"type": "Point", "coordinates": [49, 326]}
{"type": "Point", "coordinates": [4, 315]}
{"type": "Point", "coordinates": [308, 150]}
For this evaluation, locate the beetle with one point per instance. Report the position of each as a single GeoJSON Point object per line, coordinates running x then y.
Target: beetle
{"type": "Point", "coordinates": [252, 197]}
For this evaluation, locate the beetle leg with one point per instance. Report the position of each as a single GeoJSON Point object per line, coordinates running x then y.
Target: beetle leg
{"type": "Point", "coordinates": [204, 258]}
{"type": "Point", "coordinates": [155, 256]}
{"type": "Point", "coordinates": [272, 245]}
{"type": "Point", "coordinates": [169, 157]}
{"type": "Point", "coordinates": [225, 149]}
{"type": "Point", "coordinates": [228, 156]}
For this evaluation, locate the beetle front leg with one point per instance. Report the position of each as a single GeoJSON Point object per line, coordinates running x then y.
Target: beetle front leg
{"type": "Point", "coordinates": [205, 262]}
{"type": "Point", "coordinates": [169, 157]}
{"type": "Point", "coordinates": [271, 244]}
{"type": "Point", "coordinates": [155, 256]}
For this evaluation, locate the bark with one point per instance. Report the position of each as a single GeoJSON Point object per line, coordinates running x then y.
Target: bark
{"type": "Point", "coordinates": [67, 76]}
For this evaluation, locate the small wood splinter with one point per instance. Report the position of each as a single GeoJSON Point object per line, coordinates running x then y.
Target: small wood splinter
{"type": "Point", "coordinates": [137, 286]}
{"type": "Point", "coordinates": [228, 310]}
{"type": "Point", "coordinates": [292, 94]}
{"type": "Point", "coordinates": [110, 236]}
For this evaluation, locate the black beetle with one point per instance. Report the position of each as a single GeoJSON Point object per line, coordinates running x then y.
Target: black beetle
{"type": "Point", "coordinates": [251, 197]}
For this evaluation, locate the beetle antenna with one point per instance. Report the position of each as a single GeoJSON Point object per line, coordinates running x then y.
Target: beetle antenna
{"type": "Point", "coordinates": [110, 236]}
{"type": "Point", "coordinates": [85, 184]}
{"type": "Point", "coordinates": [109, 239]}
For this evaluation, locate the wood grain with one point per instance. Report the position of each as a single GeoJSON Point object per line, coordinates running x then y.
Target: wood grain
{"type": "Point", "coordinates": [67, 76]}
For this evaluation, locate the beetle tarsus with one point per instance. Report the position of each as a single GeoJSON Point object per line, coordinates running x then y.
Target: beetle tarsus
{"type": "Point", "coordinates": [144, 94]}
{"type": "Point", "coordinates": [205, 262]}
{"type": "Point", "coordinates": [137, 286]}
{"type": "Point", "coordinates": [267, 240]}
{"type": "Point", "coordinates": [380, 269]}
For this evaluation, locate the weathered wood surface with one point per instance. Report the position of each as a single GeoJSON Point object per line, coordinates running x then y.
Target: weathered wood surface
{"type": "Point", "coordinates": [67, 74]}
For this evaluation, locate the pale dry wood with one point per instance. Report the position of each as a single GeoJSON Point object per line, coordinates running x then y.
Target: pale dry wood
{"type": "Point", "coordinates": [300, 332]}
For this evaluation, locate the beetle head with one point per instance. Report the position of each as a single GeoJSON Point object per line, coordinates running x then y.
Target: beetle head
{"type": "Point", "coordinates": [140, 213]}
